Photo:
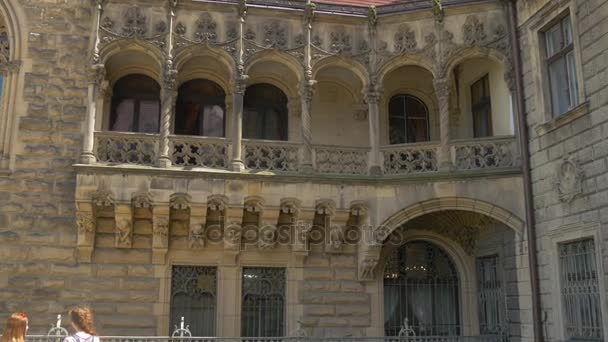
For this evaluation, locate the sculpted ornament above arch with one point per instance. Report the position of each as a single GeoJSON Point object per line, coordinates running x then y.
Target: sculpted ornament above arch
{"type": "Point", "coordinates": [569, 179]}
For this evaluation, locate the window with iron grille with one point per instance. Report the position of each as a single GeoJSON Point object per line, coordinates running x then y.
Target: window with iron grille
{"type": "Point", "coordinates": [561, 66]}
{"type": "Point", "coordinates": [490, 296]}
{"type": "Point", "coordinates": [194, 296]}
{"type": "Point", "coordinates": [263, 302]}
{"type": "Point", "coordinates": [481, 107]}
{"type": "Point", "coordinates": [580, 290]}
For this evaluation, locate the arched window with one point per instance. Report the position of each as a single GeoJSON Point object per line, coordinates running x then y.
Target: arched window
{"type": "Point", "coordinates": [135, 105]}
{"type": "Point", "coordinates": [421, 286]}
{"type": "Point", "coordinates": [200, 109]}
{"type": "Point", "coordinates": [408, 120]}
{"type": "Point", "coordinates": [265, 113]}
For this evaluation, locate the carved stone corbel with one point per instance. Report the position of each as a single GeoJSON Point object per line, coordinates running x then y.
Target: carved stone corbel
{"type": "Point", "coordinates": [123, 234]}
{"type": "Point", "coordinates": [369, 257]}
{"type": "Point", "coordinates": [232, 240]}
{"type": "Point", "coordinates": [197, 232]}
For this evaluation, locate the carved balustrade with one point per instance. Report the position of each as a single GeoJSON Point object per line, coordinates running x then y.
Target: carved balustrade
{"type": "Point", "coordinates": [126, 148]}
{"type": "Point", "coordinates": [485, 153]}
{"type": "Point", "coordinates": [199, 151]}
{"type": "Point", "coordinates": [341, 160]}
{"type": "Point", "coordinates": [410, 158]}
{"type": "Point", "coordinates": [263, 155]}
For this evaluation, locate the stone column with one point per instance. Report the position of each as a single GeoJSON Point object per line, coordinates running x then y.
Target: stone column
{"type": "Point", "coordinates": [168, 98]}
{"type": "Point", "coordinates": [307, 93]}
{"type": "Point", "coordinates": [237, 127]}
{"type": "Point", "coordinates": [442, 91]}
{"type": "Point", "coordinates": [96, 76]}
{"type": "Point", "coordinates": [373, 98]}
{"type": "Point", "coordinates": [240, 84]}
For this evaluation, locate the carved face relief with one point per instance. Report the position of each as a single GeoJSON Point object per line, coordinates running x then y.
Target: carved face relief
{"type": "Point", "coordinates": [569, 180]}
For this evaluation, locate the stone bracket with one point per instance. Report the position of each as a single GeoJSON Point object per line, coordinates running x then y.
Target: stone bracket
{"type": "Point", "coordinates": [160, 234]}
{"type": "Point", "coordinates": [85, 222]}
{"type": "Point", "coordinates": [124, 226]}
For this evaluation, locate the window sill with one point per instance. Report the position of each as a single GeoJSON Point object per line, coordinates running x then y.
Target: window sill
{"type": "Point", "coordinates": [564, 119]}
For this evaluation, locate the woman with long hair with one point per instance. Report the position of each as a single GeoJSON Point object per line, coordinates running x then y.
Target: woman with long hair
{"type": "Point", "coordinates": [16, 328]}
{"type": "Point", "coordinates": [82, 323]}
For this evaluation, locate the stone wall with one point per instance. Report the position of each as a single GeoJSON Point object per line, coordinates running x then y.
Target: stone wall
{"type": "Point", "coordinates": [581, 136]}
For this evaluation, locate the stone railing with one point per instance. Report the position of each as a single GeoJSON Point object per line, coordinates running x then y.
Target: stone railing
{"type": "Point", "coordinates": [410, 158]}
{"type": "Point", "coordinates": [199, 151]}
{"type": "Point", "coordinates": [263, 155]}
{"type": "Point", "coordinates": [126, 148]}
{"type": "Point", "coordinates": [340, 160]}
{"type": "Point", "coordinates": [485, 153]}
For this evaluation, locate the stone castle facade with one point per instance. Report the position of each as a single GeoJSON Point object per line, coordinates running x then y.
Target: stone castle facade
{"type": "Point", "coordinates": [277, 168]}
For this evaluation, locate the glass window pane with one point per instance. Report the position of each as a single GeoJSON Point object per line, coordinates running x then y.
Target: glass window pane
{"type": "Point", "coordinates": [213, 121]}
{"type": "Point", "coordinates": [125, 112]}
{"type": "Point", "coordinates": [560, 93]}
{"type": "Point", "coordinates": [580, 290]}
{"type": "Point", "coordinates": [194, 297]}
{"type": "Point", "coordinates": [149, 114]}
{"type": "Point", "coordinates": [572, 80]}
{"type": "Point", "coordinates": [397, 130]}
{"type": "Point", "coordinates": [269, 104]}
{"type": "Point", "coordinates": [553, 40]}
{"type": "Point", "coordinates": [491, 296]}
{"type": "Point", "coordinates": [263, 302]}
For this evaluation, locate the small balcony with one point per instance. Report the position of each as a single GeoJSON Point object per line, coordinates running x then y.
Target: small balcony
{"type": "Point", "coordinates": [495, 154]}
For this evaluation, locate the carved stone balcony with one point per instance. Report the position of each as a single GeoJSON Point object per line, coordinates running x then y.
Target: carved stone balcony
{"type": "Point", "coordinates": [284, 157]}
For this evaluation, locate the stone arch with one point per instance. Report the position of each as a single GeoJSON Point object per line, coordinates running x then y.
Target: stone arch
{"type": "Point", "coordinates": [399, 61]}
{"type": "Point", "coordinates": [135, 45]}
{"type": "Point", "coordinates": [282, 59]}
{"type": "Point", "coordinates": [462, 54]}
{"type": "Point", "coordinates": [451, 203]}
{"type": "Point", "coordinates": [346, 63]}
{"type": "Point", "coordinates": [194, 53]}
{"type": "Point", "coordinates": [10, 16]}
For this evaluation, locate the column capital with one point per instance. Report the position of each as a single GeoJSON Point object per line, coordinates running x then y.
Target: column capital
{"type": "Point", "coordinates": [372, 96]}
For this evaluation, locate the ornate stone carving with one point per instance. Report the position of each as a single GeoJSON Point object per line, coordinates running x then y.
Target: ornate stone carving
{"type": "Point", "coordinates": [180, 29]}
{"type": "Point", "coordinates": [336, 237]}
{"type": "Point", "coordinates": [232, 235]}
{"type": "Point", "coordinates": [253, 205]}
{"type": "Point", "coordinates": [473, 31]}
{"type": "Point", "coordinates": [124, 229]}
{"type": "Point", "coordinates": [309, 13]}
{"type": "Point", "coordinates": [135, 23]}
{"type": "Point", "coordinates": [85, 223]}
{"type": "Point", "coordinates": [274, 35]}
{"type": "Point", "coordinates": [250, 34]}
{"type": "Point", "coordinates": [103, 198]}
{"type": "Point", "coordinates": [367, 268]}
{"type": "Point", "coordinates": [568, 183]}
{"type": "Point", "coordinates": [160, 231]}
{"type": "Point", "coordinates": [198, 236]}
{"type": "Point", "coordinates": [267, 237]}
{"type": "Point", "coordinates": [142, 200]}
{"type": "Point", "coordinates": [242, 9]}
{"type": "Point", "coordinates": [180, 201]}
{"type": "Point", "coordinates": [107, 23]}
{"type": "Point", "coordinates": [372, 17]}
{"type": "Point", "coordinates": [340, 41]}
{"type": "Point", "coordinates": [317, 40]}
{"type": "Point", "coordinates": [206, 29]}
{"type": "Point", "coordinates": [405, 40]}
{"type": "Point", "coordinates": [160, 27]}
{"type": "Point", "coordinates": [438, 12]}
{"type": "Point", "coordinates": [96, 74]}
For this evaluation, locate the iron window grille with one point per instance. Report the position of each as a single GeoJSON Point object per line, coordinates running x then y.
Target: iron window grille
{"type": "Point", "coordinates": [490, 296]}
{"type": "Point", "coordinates": [263, 302]}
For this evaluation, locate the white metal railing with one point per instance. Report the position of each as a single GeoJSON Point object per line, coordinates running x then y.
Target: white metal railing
{"type": "Point", "coordinates": [485, 153]}
{"type": "Point", "coordinates": [340, 159]}
{"type": "Point", "coordinates": [199, 151]}
{"type": "Point", "coordinates": [126, 148]}
{"type": "Point", "coordinates": [410, 158]}
{"type": "Point", "coordinates": [265, 155]}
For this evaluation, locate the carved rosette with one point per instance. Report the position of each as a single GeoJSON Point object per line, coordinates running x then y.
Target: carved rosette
{"type": "Point", "coordinates": [569, 180]}
{"type": "Point", "coordinates": [267, 237]}
{"type": "Point", "coordinates": [123, 235]}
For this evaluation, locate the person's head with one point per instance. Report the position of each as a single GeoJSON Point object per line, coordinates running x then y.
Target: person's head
{"type": "Point", "coordinates": [82, 319]}
{"type": "Point", "coordinates": [16, 328]}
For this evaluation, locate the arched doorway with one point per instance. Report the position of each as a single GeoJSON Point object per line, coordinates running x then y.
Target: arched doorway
{"type": "Point", "coordinates": [421, 289]}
